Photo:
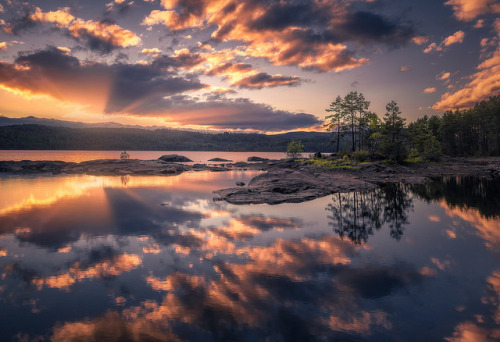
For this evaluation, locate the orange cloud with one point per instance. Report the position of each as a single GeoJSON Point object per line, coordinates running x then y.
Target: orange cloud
{"type": "Point", "coordinates": [487, 228]}
{"type": "Point", "coordinates": [471, 332]}
{"type": "Point", "coordinates": [419, 40]}
{"type": "Point", "coordinates": [110, 33]}
{"type": "Point", "coordinates": [61, 17]}
{"type": "Point", "coordinates": [429, 90]}
{"type": "Point", "coordinates": [288, 46]}
{"type": "Point", "coordinates": [457, 37]}
{"type": "Point", "coordinates": [111, 267]}
{"type": "Point", "coordinates": [468, 10]}
{"type": "Point", "coordinates": [483, 84]}
{"type": "Point", "coordinates": [443, 76]}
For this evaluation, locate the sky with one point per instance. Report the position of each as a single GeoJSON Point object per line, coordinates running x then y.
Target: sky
{"type": "Point", "coordinates": [249, 66]}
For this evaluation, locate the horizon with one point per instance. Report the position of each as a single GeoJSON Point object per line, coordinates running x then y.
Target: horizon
{"type": "Point", "coordinates": [251, 67]}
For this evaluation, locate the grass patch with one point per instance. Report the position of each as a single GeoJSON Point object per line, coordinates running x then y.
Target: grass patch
{"type": "Point", "coordinates": [327, 164]}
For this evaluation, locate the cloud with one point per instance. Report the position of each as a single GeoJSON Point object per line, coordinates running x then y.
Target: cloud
{"type": "Point", "coordinates": [419, 40]}
{"type": "Point", "coordinates": [310, 35]}
{"type": "Point", "coordinates": [468, 10]}
{"type": "Point", "coordinates": [219, 112]}
{"type": "Point", "coordinates": [457, 37]}
{"type": "Point", "coordinates": [111, 88]}
{"type": "Point", "coordinates": [263, 79]}
{"type": "Point", "coordinates": [431, 47]}
{"type": "Point", "coordinates": [3, 46]}
{"type": "Point", "coordinates": [429, 90]}
{"type": "Point", "coordinates": [61, 17]}
{"type": "Point", "coordinates": [102, 36]}
{"type": "Point", "coordinates": [443, 76]}
{"type": "Point", "coordinates": [405, 68]}
{"type": "Point", "coordinates": [483, 84]}
{"type": "Point", "coordinates": [144, 90]}
{"type": "Point", "coordinates": [154, 51]}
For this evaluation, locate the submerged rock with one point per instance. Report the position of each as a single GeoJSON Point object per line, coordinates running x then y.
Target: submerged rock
{"type": "Point", "coordinates": [174, 158]}
{"type": "Point", "coordinates": [219, 160]}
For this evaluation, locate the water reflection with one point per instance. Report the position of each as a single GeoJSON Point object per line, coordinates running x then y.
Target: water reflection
{"type": "Point", "coordinates": [154, 258]}
{"type": "Point", "coordinates": [478, 193]}
{"type": "Point", "coordinates": [356, 215]}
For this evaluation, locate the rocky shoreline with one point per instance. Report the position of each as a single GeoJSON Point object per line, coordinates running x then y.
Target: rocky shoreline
{"type": "Point", "coordinates": [282, 181]}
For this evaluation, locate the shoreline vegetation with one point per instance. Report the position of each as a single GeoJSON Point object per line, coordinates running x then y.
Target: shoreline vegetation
{"type": "Point", "coordinates": [289, 180]}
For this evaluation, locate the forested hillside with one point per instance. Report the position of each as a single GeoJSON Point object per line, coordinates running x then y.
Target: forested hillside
{"type": "Point", "coordinates": [39, 137]}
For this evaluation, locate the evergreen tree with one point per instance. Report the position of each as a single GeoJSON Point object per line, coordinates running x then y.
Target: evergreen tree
{"type": "Point", "coordinates": [393, 133]}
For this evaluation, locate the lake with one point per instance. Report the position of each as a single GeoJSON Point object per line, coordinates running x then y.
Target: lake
{"type": "Point", "coordinates": [131, 258]}
{"type": "Point", "coordinates": [80, 156]}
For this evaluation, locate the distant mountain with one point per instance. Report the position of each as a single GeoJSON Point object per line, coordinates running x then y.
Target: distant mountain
{"type": "Point", "coordinates": [32, 120]}
{"type": "Point", "coordinates": [49, 137]}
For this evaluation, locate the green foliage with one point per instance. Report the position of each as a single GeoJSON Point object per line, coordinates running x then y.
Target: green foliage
{"type": "Point", "coordinates": [295, 149]}
{"type": "Point", "coordinates": [422, 141]}
{"type": "Point", "coordinates": [360, 156]}
{"type": "Point", "coordinates": [349, 114]}
{"type": "Point", "coordinates": [474, 131]}
{"type": "Point", "coordinates": [392, 140]}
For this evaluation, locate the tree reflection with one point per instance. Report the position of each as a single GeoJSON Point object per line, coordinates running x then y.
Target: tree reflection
{"type": "Point", "coordinates": [480, 193]}
{"type": "Point", "coordinates": [356, 215]}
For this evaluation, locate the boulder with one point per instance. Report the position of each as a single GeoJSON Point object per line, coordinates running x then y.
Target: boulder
{"type": "Point", "coordinates": [174, 158]}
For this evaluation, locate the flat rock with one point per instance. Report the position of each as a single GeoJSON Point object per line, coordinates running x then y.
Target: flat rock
{"type": "Point", "coordinates": [174, 158]}
{"type": "Point", "coordinates": [291, 186]}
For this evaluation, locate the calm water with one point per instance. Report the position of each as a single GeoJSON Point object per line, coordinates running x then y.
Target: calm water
{"type": "Point", "coordinates": [79, 156]}
{"type": "Point", "coordinates": [155, 258]}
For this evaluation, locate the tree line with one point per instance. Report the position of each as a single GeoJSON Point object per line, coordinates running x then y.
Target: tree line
{"type": "Point", "coordinates": [41, 137]}
{"type": "Point", "coordinates": [465, 132]}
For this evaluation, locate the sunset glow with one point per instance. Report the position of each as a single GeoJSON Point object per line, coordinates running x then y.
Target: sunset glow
{"type": "Point", "coordinates": [243, 66]}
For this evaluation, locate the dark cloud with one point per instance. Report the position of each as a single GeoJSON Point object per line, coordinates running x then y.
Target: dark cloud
{"type": "Point", "coordinates": [280, 15]}
{"type": "Point", "coordinates": [240, 113]}
{"type": "Point", "coordinates": [57, 74]}
{"type": "Point", "coordinates": [366, 27]}
{"type": "Point", "coordinates": [263, 79]}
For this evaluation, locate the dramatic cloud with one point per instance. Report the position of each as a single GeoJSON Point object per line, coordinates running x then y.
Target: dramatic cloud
{"type": "Point", "coordinates": [219, 112]}
{"type": "Point", "coordinates": [310, 35]}
{"type": "Point", "coordinates": [151, 90]}
{"type": "Point", "coordinates": [483, 84]}
{"type": "Point", "coordinates": [468, 10]}
{"type": "Point", "coordinates": [110, 88]}
{"type": "Point", "coordinates": [102, 36]}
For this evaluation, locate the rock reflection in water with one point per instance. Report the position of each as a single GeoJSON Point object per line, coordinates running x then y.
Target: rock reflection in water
{"type": "Point", "coordinates": [357, 215]}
